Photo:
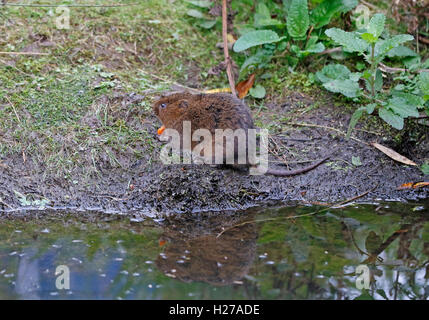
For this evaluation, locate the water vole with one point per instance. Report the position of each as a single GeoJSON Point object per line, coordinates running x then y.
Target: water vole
{"type": "Point", "coordinates": [211, 112]}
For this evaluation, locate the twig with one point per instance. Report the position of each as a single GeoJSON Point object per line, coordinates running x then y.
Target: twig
{"type": "Point", "coordinates": [225, 49]}
{"type": "Point", "coordinates": [25, 53]}
{"type": "Point", "coordinates": [14, 110]}
{"type": "Point", "coordinates": [370, 5]}
{"type": "Point", "coordinates": [324, 127]}
{"type": "Point", "coordinates": [388, 69]}
{"type": "Point", "coordinates": [424, 40]}
{"type": "Point", "coordinates": [332, 50]}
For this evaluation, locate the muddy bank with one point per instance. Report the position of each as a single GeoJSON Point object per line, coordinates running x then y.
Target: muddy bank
{"type": "Point", "coordinates": [148, 187]}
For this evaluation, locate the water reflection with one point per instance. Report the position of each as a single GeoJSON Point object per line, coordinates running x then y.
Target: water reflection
{"type": "Point", "coordinates": [196, 252]}
{"type": "Point", "coordinates": [260, 254]}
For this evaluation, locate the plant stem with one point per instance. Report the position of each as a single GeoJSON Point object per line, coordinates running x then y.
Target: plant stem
{"type": "Point", "coordinates": [373, 70]}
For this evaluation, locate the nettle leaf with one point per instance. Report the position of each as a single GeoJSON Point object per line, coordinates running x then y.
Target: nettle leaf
{"type": "Point", "coordinates": [410, 98]}
{"type": "Point", "coordinates": [346, 87]}
{"type": "Point", "coordinates": [255, 38]}
{"type": "Point", "coordinates": [333, 72]}
{"type": "Point", "coordinates": [348, 40]}
{"type": "Point", "coordinates": [376, 25]}
{"type": "Point", "coordinates": [369, 37]}
{"type": "Point", "coordinates": [298, 20]}
{"type": "Point", "coordinates": [370, 107]}
{"type": "Point", "coordinates": [402, 108]}
{"type": "Point", "coordinates": [200, 3]}
{"type": "Point", "coordinates": [423, 83]}
{"type": "Point", "coordinates": [378, 84]}
{"type": "Point", "coordinates": [391, 118]}
{"type": "Point", "coordinates": [382, 47]}
{"type": "Point", "coordinates": [378, 80]}
{"type": "Point", "coordinates": [401, 51]}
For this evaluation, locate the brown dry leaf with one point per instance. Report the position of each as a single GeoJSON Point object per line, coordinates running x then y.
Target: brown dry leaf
{"type": "Point", "coordinates": [420, 185]}
{"type": "Point", "coordinates": [244, 86]}
{"type": "Point", "coordinates": [403, 186]}
{"type": "Point", "coordinates": [393, 154]}
{"type": "Point", "coordinates": [413, 185]}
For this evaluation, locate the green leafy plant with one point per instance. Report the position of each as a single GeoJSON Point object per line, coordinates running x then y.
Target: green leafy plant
{"type": "Point", "coordinates": [290, 29]}
{"type": "Point", "coordinates": [374, 45]}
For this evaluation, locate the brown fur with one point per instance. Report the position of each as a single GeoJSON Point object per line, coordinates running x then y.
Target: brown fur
{"type": "Point", "coordinates": [210, 111]}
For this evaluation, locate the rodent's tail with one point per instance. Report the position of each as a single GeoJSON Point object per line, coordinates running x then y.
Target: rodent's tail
{"type": "Point", "coordinates": [286, 173]}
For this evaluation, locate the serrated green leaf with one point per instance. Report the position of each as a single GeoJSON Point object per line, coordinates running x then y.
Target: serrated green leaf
{"type": "Point", "coordinates": [255, 38]}
{"type": "Point", "coordinates": [333, 72]}
{"type": "Point", "coordinates": [378, 80]}
{"type": "Point", "coordinates": [348, 40]}
{"type": "Point", "coordinates": [401, 51]}
{"type": "Point", "coordinates": [423, 83]}
{"type": "Point", "coordinates": [370, 107]}
{"type": "Point", "coordinates": [376, 25]}
{"type": "Point", "coordinates": [391, 118]}
{"type": "Point", "coordinates": [369, 37]}
{"type": "Point", "coordinates": [410, 98]}
{"type": "Point", "coordinates": [382, 47]}
{"type": "Point", "coordinates": [298, 20]}
{"type": "Point", "coordinates": [401, 108]}
{"type": "Point", "coordinates": [346, 87]}
{"type": "Point", "coordinates": [195, 13]}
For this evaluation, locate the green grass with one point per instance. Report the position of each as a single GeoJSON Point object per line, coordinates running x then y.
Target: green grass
{"type": "Point", "coordinates": [61, 110]}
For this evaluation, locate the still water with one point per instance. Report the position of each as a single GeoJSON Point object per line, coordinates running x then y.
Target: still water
{"type": "Point", "coordinates": [276, 253]}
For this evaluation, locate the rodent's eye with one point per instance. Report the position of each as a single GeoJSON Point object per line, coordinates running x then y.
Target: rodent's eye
{"type": "Point", "coordinates": [163, 105]}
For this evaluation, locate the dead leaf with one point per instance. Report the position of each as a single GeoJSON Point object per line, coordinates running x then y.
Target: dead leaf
{"type": "Point", "coordinates": [413, 185]}
{"type": "Point", "coordinates": [393, 154]}
{"type": "Point", "coordinates": [244, 86]}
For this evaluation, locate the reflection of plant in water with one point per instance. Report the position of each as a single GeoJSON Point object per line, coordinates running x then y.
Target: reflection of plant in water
{"type": "Point", "coordinates": [317, 258]}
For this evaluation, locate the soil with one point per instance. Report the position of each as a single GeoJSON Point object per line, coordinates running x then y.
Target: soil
{"type": "Point", "coordinates": [145, 186]}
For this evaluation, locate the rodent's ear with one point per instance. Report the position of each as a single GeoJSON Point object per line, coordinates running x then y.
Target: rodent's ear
{"type": "Point", "coordinates": [183, 104]}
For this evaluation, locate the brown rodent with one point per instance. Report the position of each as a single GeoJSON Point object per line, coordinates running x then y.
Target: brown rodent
{"type": "Point", "coordinates": [211, 111]}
